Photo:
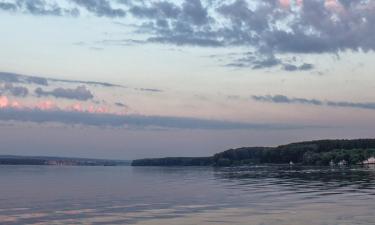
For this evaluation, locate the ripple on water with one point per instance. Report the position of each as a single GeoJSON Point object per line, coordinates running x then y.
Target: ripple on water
{"type": "Point", "coordinates": [262, 195]}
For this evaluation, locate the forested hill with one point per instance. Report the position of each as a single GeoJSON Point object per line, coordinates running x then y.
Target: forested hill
{"type": "Point", "coordinates": [320, 152]}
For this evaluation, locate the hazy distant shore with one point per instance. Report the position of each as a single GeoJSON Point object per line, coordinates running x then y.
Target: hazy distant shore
{"type": "Point", "coordinates": [58, 161]}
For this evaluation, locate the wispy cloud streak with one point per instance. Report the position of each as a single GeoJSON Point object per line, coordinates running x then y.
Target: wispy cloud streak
{"type": "Point", "coordinates": [47, 112]}
{"type": "Point", "coordinates": [80, 93]}
{"type": "Point", "coordinates": [282, 99]}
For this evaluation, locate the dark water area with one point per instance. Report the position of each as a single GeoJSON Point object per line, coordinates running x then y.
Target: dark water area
{"type": "Point", "coordinates": [190, 195]}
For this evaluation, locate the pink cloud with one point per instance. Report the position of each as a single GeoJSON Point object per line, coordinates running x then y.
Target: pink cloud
{"type": "Point", "coordinates": [76, 107]}
{"type": "Point", "coordinates": [50, 105]}
{"type": "Point", "coordinates": [334, 5]}
{"type": "Point", "coordinates": [16, 105]}
{"type": "Point", "coordinates": [102, 110]}
{"type": "Point", "coordinates": [285, 3]}
{"type": "Point", "coordinates": [4, 102]}
{"type": "Point", "coordinates": [46, 105]}
{"type": "Point", "coordinates": [91, 109]}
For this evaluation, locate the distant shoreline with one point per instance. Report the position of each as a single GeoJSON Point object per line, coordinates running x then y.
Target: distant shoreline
{"type": "Point", "coordinates": [311, 153]}
{"type": "Point", "coordinates": [59, 161]}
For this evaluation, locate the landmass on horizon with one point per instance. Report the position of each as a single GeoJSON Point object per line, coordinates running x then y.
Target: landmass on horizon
{"type": "Point", "coordinates": [310, 153]}
{"type": "Point", "coordinates": [319, 153]}
{"type": "Point", "coordinates": [59, 161]}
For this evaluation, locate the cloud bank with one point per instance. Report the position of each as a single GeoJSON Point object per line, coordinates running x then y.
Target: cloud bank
{"type": "Point", "coordinates": [274, 29]}
{"type": "Point", "coordinates": [282, 99]}
{"type": "Point", "coordinates": [77, 114]}
{"type": "Point", "coordinates": [17, 91]}
{"type": "Point", "coordinates": [80, 93]}
{"type": "Point", "coordinates": [39, 80]}
{"type": "Point", "coordinates": [129, 121]}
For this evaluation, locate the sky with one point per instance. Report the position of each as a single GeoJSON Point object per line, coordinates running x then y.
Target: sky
{"type": "Point", "coordinates": [127, 79]}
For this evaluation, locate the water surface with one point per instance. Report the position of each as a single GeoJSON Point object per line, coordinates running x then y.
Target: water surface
{"type": "Point", "coordinates": [155, 195]}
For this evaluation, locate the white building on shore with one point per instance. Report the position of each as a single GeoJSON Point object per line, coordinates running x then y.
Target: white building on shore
{"type": "Point", "coordinates": [369, 161]}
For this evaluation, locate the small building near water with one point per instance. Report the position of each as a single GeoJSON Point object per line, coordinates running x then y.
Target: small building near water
{"type": "Point", "coordinates": [369, 161]}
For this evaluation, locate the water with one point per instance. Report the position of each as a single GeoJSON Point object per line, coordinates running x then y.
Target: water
{"type": "Point", "coordinates": [125, 195]}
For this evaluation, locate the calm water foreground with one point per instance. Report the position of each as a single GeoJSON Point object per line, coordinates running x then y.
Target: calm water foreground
{"type": "Point", "coordinates": [126, 195]}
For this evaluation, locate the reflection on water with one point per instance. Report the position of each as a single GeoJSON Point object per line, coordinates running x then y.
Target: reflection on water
{"type": "Point", "coordinates": [151, 195]}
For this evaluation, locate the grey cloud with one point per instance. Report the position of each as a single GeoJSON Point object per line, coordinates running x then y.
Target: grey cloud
{"type": "Point", "coordinates": [39, 8]}
{"type": "Point", "coordinates": [157, 10]}
{"type": "Point", "coordinates": [306, 66]}
{"type": "Point", "coordinates": [101, 8]}
{"type": "Point", "coordinates": [240, 14]}
{"type": "Point", "coordinates": [312, 29]}
{"type": "Point", "coordinates": [362, 105]}
{"type": "Point", "coordinates": [9, 77]}
{"type": "Point", "coordinates": [37, 80]}
{"type": "Point", "coordinates": [259, 61]}
{"type": "Point", "coordinates": [27, 79]}
{"type": "Point", "coordinates": [137, 121]}
{"type": "Point", "coordinates": [122, 105]}
{"type": "Point", "coordinates": [80, 93]}
{"type": "Point", "coordinates": [237, 65]}
{"type": "Point", "coordinates": [149, 89]}
{"type": "Point", "coordinates": [18, 78]}
{"type": "Point", "coordinates": [104, 84]}
{"type": "Point", "coordinates": [286, 100]}
{"type": "Point", "coordinates": [194, 11]}
{"type": "Point", "coordinates": [17, 91]}
{"type": "Point", "coordinates": [266, 63]}
{"type": "Point", "coordinates": [261, 26]}
{"type": "Point", "coordinates": [303, 67]}
{"type": "Point", "coordinates": [282, 99]}
{"type": "Point", "coordinates": [290, 67]}
{"type": "Point", "coordinates": [191, 11]}
{"type": "Point", "coordinates": [7, 6]}
{"type": "Point", "coordinates": [186, 40]}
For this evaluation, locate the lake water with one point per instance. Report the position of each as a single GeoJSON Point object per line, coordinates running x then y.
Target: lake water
{"type": "Point", "coordinates": [125, 195]}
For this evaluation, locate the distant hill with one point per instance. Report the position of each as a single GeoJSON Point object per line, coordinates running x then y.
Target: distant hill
{"type": "Point", "coordinates": [64, 161]}
{"type": "Point", "coordinates": [320, 152]}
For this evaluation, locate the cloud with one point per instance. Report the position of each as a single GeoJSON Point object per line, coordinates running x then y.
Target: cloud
{"type": "Point", "coordinates": [362, 105]}
{"type": "Point", "coordinates": [271, 61]}
{"type": "Point", "coordinates": [259, 61]}
{"type": "Point", "coordinates": [7, 6]}
{"type": "Point", "coordinates": [38, 7]}
{"type": "Point", "coordinates": [282, 99]}
{"type": "Point", "coordinates": [286, 100]}
{"type": "Point", "coordinates": [149, 89]}
{"type": "Point", "coordinates": [27, 79]}
{"type": "Point", "coordinates": [303, 67]}
{"type": "Point", "coordinates": [80, 93]}
{"type": "Point", "coordinates": [101, 8]}
{"type": "Point", "coordinates": [271, 28]}
{"type": "Point", "coordinates": [17, 91]}
{"type": "Point", "coordinates": [122, 105]}
{"type": "Point", "coordinates": [18, 78]}
{"type": "Point", "coordinates": [181, 40]}
{"type": "Point", "coordinates": [135, 121]}
{"type": "Point", "coordinates": [156, 10]}
{"type": "Point", "coordinates": [4, 102]}
{"type": "Point", "coordinates": [290, 27]}
{"type": "Point", "coordinates": [37, 80]}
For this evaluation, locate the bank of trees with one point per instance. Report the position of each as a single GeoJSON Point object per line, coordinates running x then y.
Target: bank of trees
{"type": "Point", "coordinates": [322, 152]}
